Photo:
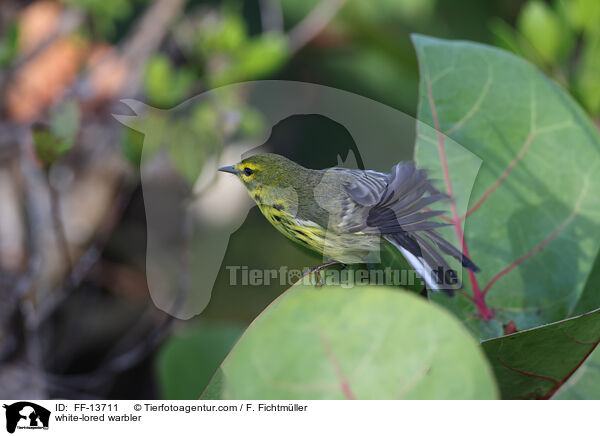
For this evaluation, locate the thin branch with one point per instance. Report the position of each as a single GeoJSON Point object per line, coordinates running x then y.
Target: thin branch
{"type": "Point", "coordinates": [271, 16]}
{"type": "Point", "coordinates": [59, 230]}
{"type": "Point", "coordinates": [313, 24]}
{"type": "Point", "coordinates": [138, 46]}
{"type": "Point", "coordinates": [36, 224]}
{"type": "Point", "coordinates": [149, 33]}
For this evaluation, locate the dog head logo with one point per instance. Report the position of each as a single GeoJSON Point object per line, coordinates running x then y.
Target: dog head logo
{"type": "Point", "coordinates": [26, 415]}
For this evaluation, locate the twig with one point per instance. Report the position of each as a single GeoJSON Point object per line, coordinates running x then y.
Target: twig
{"type": "Point", "coordinates": [313, 24]}
{"type": "Point", "coordinates": [36, 225]}
{"type": "Point", "coordinates": [146, 38]}
{"type": "Point", "coordinates": [59, 230]}
{"type": "Point", "coordinates": [271, 16]}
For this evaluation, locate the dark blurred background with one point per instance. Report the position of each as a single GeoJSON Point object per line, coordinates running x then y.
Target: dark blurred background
{"type": "Point", "coordinates": [76, 316]}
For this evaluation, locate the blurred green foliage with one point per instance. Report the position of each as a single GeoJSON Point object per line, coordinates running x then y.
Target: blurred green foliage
{"type": "Point", "coordinates": [165, 85]}
{"type": "Point", "coordinates": [222, 53]}
{"type": "Point", "coordinates": [562, 38]}
{"type": "Point", "coordinates": [8, 44]}
{"type": "Point", "coordinates": [202, 127]}
{"type": "Point", "coordinates": [106, 15]}
{"type": "Point", "coordinates": [187, 362]}
{"type": "Point", "coordinates": [418, 11]}
{"type": "Point", "coordinates": [227, 53]}
{"type": "Point", "coordinates": [256, 58]}
{"type": "Point", "coordinates": [547, 31]}
{"type": "Point", "coordinates": [54, 140]}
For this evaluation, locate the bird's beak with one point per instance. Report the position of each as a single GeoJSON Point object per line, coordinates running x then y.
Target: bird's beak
{"type": "Point", "coordinates": [230, 169]}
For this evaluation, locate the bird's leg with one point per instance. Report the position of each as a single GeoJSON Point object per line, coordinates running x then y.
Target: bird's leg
{"type": "Point", "coordinates": [319, 279]}
{"type": "Point", "coordinates": [317, 269]}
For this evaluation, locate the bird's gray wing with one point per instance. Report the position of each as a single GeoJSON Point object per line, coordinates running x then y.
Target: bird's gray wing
{"type": "Point", "coordinates": [347, 195]}
{"type": "Point", "coordinates": [399, 214]}
{"type": "Point", "coordinates": [401, 206]}
{"type": "Point", "coordinates": [366, 187]}
{"type": "Point", "coordinates": [390, 203]}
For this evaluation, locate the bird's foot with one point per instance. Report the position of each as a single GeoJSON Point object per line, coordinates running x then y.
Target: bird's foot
{"type": "Point", "coordinates": [318, 269]}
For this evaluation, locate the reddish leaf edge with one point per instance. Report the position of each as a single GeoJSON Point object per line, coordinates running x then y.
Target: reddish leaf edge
{"type": "Point", "coordinates": [557, 383]}
{"type": "Point", "coordinates": [542, 326]}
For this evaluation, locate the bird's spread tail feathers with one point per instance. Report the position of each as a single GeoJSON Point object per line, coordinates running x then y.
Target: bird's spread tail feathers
{"type": "Point", "coordinates": [400, 215]}
{"type": "Point", "coordinates": [427, 262]}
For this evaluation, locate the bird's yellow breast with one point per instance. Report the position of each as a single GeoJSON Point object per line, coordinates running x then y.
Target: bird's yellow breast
{"type": "Point", "coordinates": [306, 233]}
{"type": "Point", "coordinates": [346, 248]}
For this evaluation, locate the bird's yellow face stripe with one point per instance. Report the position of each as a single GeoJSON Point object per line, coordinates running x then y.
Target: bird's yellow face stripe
{"type": "Point", "coordinates": [246, 170]}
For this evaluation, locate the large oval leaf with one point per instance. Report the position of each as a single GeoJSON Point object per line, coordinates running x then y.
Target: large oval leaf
{"type": "Point", "coordinates": [364, 343]}
{"type": "Point", "coordinates": [536, 363]}
{"type": "Point", "coordinates": [534, 211]}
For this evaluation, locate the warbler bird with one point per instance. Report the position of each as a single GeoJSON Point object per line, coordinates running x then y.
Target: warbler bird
{"type": "Point", "coordinates": [347, 214]}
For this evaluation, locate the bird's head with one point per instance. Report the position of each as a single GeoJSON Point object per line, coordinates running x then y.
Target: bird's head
{"type": "Point", "coordinates": [264, 170]}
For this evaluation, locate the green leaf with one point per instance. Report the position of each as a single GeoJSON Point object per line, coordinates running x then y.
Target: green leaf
{"type": "Point", "coordinates": [545, 30]}
{"type": "Point", "coordinates": [590, 297]}
{"type": "Point", "coordinates": [505, 36]}
{"type": "Point", "coordinates": [188, 154]}
{"type": "Point", "coordinates": [508, 38]}
{"type": "Point", "coordinates": [583, 15]}
{"type": "Point", "coordinates": [64, 121]}
{"type": "Point", "coordinates": [364, 343]}
{"type": "Point", "coordinates": [104, 14]}
{"type": "Point", "coordinates": [257, 58]}
{"type": "Point", "coordinates": [296, 10]}
{"type": "Point", "coordinates": [224, 34]}
{"type": "Point", "coordinates": [52, 141]}
{"type": "Point", "coordinates": [9, 44]}
{"type": "Point", "coordinates": [133, 143]}
{"type": "Point", "coordinates": [373, 71]}
{"type": "Point", "coordinates": [214, 390]}
{"type": "Point", "coordinates": [534, 234]}
{"type": "Point", "coordinates": [187, 361]}
{"type": "Point", "coordinates": [164, 85]}
{"type": "Point", "coordinates": [198, 138]}
{"type": "Point", "coordinates": [585, 383]}
{"type": "Point", "coordinates": [47, 147]}
{"type": "Point", "coordinates": [587, 85]}
{"type": "Point", "coordinates": [537, 362]}
{"type": "Point", "coordinates": [412, 11]}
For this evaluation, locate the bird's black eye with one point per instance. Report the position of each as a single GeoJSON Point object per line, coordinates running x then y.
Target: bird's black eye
{"type": "Point", "coordinates": [248, 171]}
